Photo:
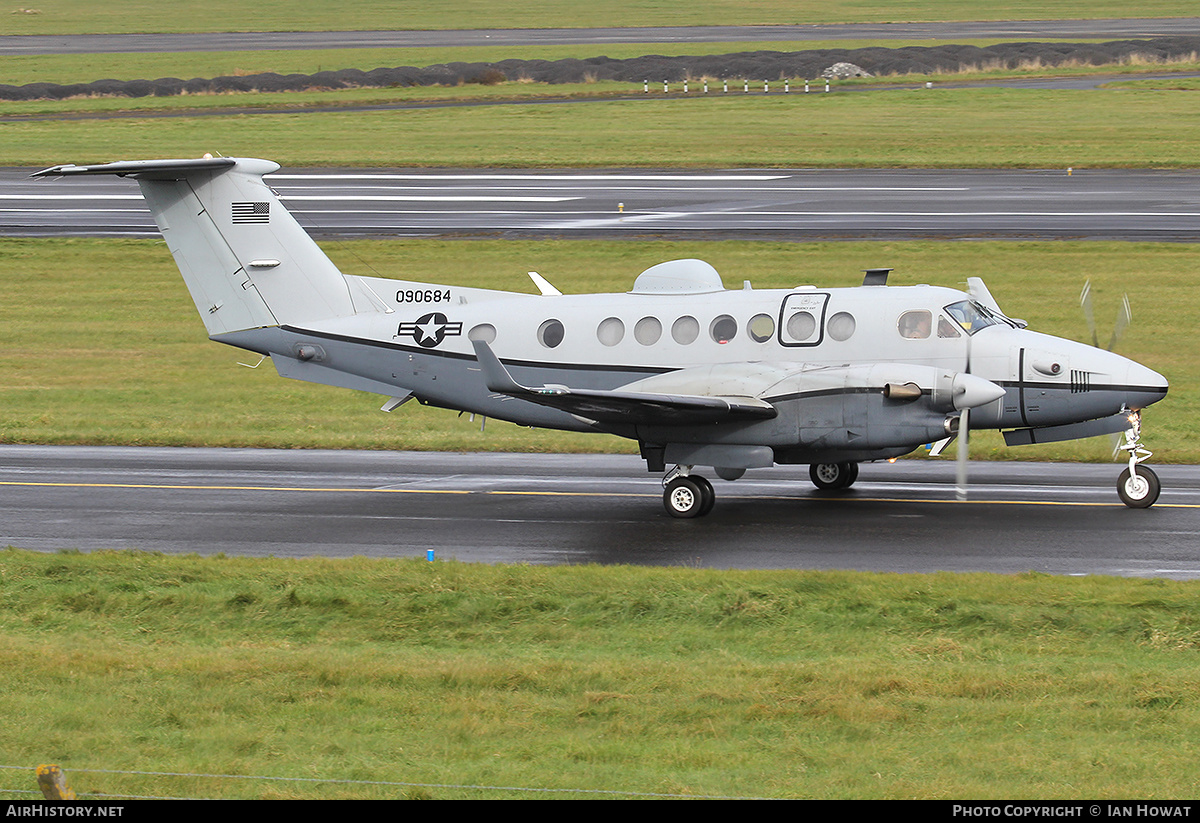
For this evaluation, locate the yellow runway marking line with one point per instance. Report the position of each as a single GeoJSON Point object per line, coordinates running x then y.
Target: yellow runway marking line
{"type": "Point", "coordinates": [167, 487]}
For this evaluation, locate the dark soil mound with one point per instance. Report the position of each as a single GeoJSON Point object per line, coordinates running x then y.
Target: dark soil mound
{"type": "Point", "coordinates": [751, 65]}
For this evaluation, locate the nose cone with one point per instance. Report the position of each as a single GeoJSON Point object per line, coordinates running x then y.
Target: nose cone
{"type": "Point", "coordinates": [1143, 386]}
{"type": "Point", "coordinates": [971, 391]}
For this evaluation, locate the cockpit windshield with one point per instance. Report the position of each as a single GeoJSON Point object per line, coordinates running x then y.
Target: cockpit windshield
{"type": "Point", "coordinates": [972, 316]}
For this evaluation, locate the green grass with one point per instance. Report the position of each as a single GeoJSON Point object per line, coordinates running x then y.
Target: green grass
{"type": "Point", "coordinates": [100, 343]}
{"type": "Point", "coordinates": [939, 128]}
{"type": "Point", "coordinates": [79, 16]}
{"type": "Point", "coordinates": [775, 684]}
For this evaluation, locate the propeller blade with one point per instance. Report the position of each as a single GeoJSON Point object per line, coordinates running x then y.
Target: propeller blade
{"type": "Point", "coordinates": [960, 482]}
{"type": "Point", "coordinates": [1117, 439]}
{"type": "Point", "coordinates": [1124, 318]}
{"type": "Point", "coordinates": [1085, 302]}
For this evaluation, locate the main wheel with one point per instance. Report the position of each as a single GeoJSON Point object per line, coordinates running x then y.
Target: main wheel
{"type": "Point", "coordinates": [689, 497]}
{"type": "Point", "coordinates": [706, 489]}
{"type": "Point", "coordinates": [1138, 491]}
{"type": "Point", "coordinates": [833, 475]}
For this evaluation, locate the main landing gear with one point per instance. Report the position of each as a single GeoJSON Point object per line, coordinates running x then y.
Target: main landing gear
{"type": "Point", "coordinates": [1138, 485]}
{"type": "Point", "coordinates": [828, 476]}
{"type": "Point", "coordinates": [687, 495]}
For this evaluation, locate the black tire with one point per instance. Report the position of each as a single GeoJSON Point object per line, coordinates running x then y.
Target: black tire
{"type": "Point", "coordinates": [684, 497]}
{"type": "Point", "coordinates": [1139, 492]}
{"type": "Point", "coordinates": [830, 476]}
{"type": "Point", "coordinates": [706, 489]}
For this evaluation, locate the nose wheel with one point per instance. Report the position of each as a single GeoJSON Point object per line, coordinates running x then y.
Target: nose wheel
{"type": "Point", "coordinates": [687, 495]}
{"type": "Point", "coordinates": [1138, 485]}
{"type": "Point", "coordinates": [1138, 491]}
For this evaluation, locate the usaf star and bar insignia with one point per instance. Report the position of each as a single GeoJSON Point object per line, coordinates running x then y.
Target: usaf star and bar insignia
{"type": "Point", "coordinates": [430, 330]}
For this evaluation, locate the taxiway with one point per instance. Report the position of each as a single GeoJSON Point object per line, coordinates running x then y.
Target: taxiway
{"type": "Point", "coordinates": [767, 203]}
{"type": "Point", "coordinates": [258, 41]}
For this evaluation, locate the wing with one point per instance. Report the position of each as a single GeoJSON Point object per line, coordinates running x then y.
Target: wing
{"type": "Point", "coordinates": [632, 407]}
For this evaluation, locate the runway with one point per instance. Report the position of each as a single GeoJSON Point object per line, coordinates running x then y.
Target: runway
{"type": "Point", "coordinates": [775, 204]}
{"type": "Point", "coordinates": [257, 41]}
{"type": "Point", "coordinates": [553, 509]}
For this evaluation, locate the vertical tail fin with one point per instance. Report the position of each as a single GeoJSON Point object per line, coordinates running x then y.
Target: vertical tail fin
{"type": "Point", "coordinates": [245, 259]}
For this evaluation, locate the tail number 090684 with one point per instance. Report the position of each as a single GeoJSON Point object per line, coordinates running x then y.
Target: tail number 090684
{"type": "Point", "coordinates": [423, 296]}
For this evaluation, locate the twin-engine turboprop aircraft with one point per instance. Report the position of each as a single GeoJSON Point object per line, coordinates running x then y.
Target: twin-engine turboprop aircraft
{"type": "Point", "coordinates": [697, 374]}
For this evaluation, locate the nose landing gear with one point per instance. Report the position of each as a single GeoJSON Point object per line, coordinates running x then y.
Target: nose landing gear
{"type": "Point", "coordinates": [1138, 485]}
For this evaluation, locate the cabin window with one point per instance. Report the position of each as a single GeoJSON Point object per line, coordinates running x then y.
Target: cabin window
{"type": "Point", "coordinates": [685, 330]}
{"type": "Point", "coordinates": [801, 326]}
{"type": "Point", "coordinates": [550, 333]}
{"type": "Point", "coordinates": [946, 328]}
{"type": "Point", "coordinates": [611, 331]}
{"type": "Point", "coordinates": [647, 331]}
{"type": "Point", "coordinates": [915, 325]}
{"type": "Point", "coordinates": [484, 331]}
{"type": "Point", "coordinates": [761, 328]}
{"type": "Point", "coordinates": [723, 329]}
{"type": "Point", "coordinates": [841, 326]}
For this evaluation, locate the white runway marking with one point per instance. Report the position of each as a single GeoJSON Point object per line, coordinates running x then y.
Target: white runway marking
{"type": "Point", "coordinates": [40, 196]}
{"type": "Point", "coordinates": [538, 177]}
{"type": "Point", "coordinates": [449, 198]}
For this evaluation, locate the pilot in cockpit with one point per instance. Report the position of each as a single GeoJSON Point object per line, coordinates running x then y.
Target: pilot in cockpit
{"type": "Point", "coordinates": [915, 325]}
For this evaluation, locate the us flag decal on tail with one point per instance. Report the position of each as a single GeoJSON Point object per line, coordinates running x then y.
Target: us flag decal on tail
{"type": "Point", "coordinates": [252, 212]}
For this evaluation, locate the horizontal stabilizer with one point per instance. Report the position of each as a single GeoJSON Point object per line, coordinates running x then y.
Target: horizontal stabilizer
{"type": "Point", "coordinates": [160, 169]}
{"type": "Point", "coordinates": [622, 407]}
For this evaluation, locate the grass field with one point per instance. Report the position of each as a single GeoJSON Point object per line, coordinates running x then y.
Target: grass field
{"type": "Point", "coordinates": [624, 680]}
{"type": "Point", "coordinates": [78, 16]}
{"type": "Point", "coordinates": [1148, 127]}
{"type": "Point", "coordinates": [107, 348]}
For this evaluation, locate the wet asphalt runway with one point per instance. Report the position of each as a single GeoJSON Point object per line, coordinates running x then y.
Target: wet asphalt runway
{"type": "Point", "coordinates": [550, 509]}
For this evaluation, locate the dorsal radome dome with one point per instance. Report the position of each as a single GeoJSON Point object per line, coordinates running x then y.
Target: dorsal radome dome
{"type": "Point", "coordinates": [678, 277]}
